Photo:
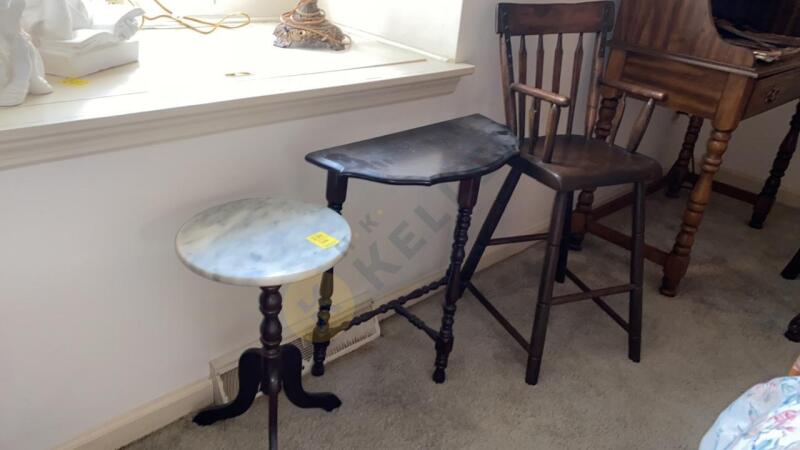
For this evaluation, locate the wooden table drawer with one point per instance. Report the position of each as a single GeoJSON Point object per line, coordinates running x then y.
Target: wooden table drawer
{"type": "Point", "coordinates": [774, 91]}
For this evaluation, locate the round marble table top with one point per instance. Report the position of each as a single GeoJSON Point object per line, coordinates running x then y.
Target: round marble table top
{"type": "Point", "coordinates": [263, 242]}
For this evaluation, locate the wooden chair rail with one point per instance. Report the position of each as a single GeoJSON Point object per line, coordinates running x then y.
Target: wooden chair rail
{"type": "Point", "coordinates": [635, 89]}
{"type": "Point", "coordinates": [541, 94]}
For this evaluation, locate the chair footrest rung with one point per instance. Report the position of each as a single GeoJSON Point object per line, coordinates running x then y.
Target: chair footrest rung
{"type": "Point", "coordinates": [588, 295]}
{"type": "Point", "coordinates": [499, 317]}
{"type": "Point", "coordinates": [518, 239]}
{"type": "Point", "coordinates": [599, 301]}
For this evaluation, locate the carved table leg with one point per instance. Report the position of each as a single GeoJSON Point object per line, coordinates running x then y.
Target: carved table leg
{"type": "Point", "coordinates": [467, 197]}
{"type": "Point", "coordinates": [583, 211]}
{"type": "Point", "coordinates": [677, 262]}
{"type": "Point", "coordinates": [677, 175]}
{"type": "Point", "coordinates": [271, 367]}
{"type": "Point", "coordinates": [270, 304]}
{"type": "Point", "coordinates": [292, 375]}
{"type": "Point", "coordinates": [249, 379]}
{"type": "Point", "coordinates": [336, 193]}
{"type": "Point", "coordinates": [767, 196]}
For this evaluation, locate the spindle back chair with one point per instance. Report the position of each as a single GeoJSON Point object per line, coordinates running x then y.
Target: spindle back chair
{"type": "Point", "coordinates": [567, 162]}
{"type": "Point", "coordinates": [594, 19]}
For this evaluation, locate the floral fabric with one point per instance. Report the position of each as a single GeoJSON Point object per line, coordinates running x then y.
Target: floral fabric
{"type": "Point", "coordinates": [766, 417]}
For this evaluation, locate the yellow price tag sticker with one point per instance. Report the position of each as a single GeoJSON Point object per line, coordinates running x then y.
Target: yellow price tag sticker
{"type": "Point", "coordinates": [322, 240]}
{"type": "Point", "coordinates": [74, 82]}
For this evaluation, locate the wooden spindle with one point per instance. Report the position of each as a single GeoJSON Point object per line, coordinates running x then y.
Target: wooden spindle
{"type": "Point", "coordinates": [552, 130]}
{"type": "Point", "coordinates": [557, 63]}
{"type": "Point", "coordinates": [537, 104]}
{"type": "Point", "coordinates": [507, 78]}
{"type": "Point", "coordinates": [619, 114]}
{"type": "Point", "coordinates": [577, 66]}
{"type": "Point", "coordinates": [523, 78]}
{"type": "Point", "coordinates": [594, 89]}
{"type": "Point", "coordinates": [640, 126]}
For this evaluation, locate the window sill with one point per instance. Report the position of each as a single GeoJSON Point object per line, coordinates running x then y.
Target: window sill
{"type": "Point", "coordinates": [171, 94]}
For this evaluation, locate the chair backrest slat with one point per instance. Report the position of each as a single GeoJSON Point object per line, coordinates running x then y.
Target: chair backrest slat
{"type": "Point", "coordinates": [558, 61]}
{"type": "Point", "coordinates": [523, 78]}
{"type": "Point", "coordinates": [563, 20]}
{"type": "Point", "coordinates": [612, 138]}
{"type": "Point", "coordinates": [577, 67]}
{"type": "Point", "coordinates": [537, 104]}
{"type": "Point", "coordinates": [507, 79]}
{"type": "Point", "coordinates": [594, 89]}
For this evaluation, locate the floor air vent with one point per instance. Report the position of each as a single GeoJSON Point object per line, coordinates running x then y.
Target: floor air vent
{"type": "Point", "coordinates": [225, 371]}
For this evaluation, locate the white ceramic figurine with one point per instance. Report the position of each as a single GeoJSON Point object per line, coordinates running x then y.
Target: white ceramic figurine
{"type": "Point", "coordinates": [80, 37]}
{"type": "Point", "coordinates": [21, 67]}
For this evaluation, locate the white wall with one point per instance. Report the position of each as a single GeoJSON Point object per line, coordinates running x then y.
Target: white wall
{"type": "Point", "coordinates": [423, 24]}
{"type": "Point", "coordinates": [97, 316]}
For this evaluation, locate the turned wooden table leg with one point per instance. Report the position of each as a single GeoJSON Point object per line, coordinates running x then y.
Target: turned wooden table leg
{"type": "Point", "coordinates": [677, 175]}
{"type": "Point", "coordinates": [677, 262]}
{"type": "Point", "coordinates": [767, 196]}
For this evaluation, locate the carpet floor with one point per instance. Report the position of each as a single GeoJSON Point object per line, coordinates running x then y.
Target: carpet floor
{"type": "Point", "coordinates": [722, 334]}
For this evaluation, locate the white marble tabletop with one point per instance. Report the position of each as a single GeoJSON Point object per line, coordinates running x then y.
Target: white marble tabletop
{"type": "Point", "coordinates": [263, 241]}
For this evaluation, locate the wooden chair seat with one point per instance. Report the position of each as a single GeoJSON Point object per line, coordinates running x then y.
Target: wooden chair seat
{"type": "Point", "coordinates": [581, 163]}
{"type": "Point", "coordinates": [454, 150]}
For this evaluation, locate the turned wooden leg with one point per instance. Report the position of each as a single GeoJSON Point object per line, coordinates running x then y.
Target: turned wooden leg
{"type": "Point", "coordinates": [677, 175]}
{"type": "Point", "coordinates": [636, 275]}
{"type": "Point", "coordinates": [583, 211]}
{"type": "Point", "coordinates": [270, 304]}
{"type": "Point", "coordinates": [467, 197]}
{"type": "Point", "coordinates": [539, 332]}
{"type": "Point", "coordinates": [336, 193]}
{"type": "Point", "coordinates": [767, 196]}
{"type": "Point", "coordinates": [322, 332]}
{"type": "Point", "coordinates": [677, 262]}
{"type": "Point", "coordinates": [563, 254]}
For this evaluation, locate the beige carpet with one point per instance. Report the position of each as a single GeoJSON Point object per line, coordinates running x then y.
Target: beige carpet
{"type": "Point", "coordinates": [701, 350]}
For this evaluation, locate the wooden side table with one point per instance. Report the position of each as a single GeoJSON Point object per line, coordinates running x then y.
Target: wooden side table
{"type": "Point", "coordinates": [265, 243]}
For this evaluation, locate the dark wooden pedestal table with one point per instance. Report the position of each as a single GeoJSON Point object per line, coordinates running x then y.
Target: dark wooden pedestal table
{"type": "Point", "coordinates": [265, 243]}
{"type": "Point", "coordinates": [460, 150]}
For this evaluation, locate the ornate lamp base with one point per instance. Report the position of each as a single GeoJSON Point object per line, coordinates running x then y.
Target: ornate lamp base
{"type": "Point", "coordinates": [306, 26]}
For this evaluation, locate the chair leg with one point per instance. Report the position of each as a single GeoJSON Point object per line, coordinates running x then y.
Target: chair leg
{"type": "Point", "coordinates": [467, 197]}
{"type": "Point", "coordinates": [546, 288]}
{"type": "Point", "coordinates": [637, 275]}
{"type": "Point", "coordinates": [563, 255]}
{"type": "Point", "coordinates": [581, 218]}
{"type": "Point", "coordinates": [336, 193]}
{"type": "Point", "coordinates": [489, 226]}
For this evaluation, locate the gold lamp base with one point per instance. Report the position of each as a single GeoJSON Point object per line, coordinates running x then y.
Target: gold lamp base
{"type": "Point", "coordinates": [306, 26]}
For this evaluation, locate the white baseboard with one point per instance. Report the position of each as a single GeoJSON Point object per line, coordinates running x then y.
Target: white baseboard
{"type": "Point", "coordinates": [159, 413]}
{"type": "Point", "coordinates": [146, 419]}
